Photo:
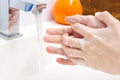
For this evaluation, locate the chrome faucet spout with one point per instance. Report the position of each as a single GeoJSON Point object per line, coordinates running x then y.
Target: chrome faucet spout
{"type": "Point", "coordinates": [38, 8]}
{"type": "Point", "coordinates": [8, 7]}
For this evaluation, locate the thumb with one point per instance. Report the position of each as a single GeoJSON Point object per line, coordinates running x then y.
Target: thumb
{"type": "Point", "coordinates": [106, 17]}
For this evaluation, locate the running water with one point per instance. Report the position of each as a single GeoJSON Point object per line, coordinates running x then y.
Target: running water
{"type": "Point", "coordinates": [40, 40]}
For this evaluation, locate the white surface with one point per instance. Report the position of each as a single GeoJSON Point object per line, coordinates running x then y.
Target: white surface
{"type": "Point", "coordinates": [19, 60]}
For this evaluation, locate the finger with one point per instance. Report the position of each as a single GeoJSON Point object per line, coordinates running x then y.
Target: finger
{"type": "Point", "coordinates": [89, 20]}
{"type": "Point", "coordinates": [107, 18]}
{"type": "Point", "coordinates": [76, 35]}
{"type": "Point", "coordinates": [71, 41]}
{"type": "Point", "coordinates": [85, 31]}
{"type": "Point", "coordinates": [72, 61]}
{"type": "Point", "coordinates": [61, 31]}
{"type": "Point", "coordinates": [58, 31]}
{"type": "Point", "coordinates": [65, 61]}
{"type": "Point", "coordinates": [75, 19]}
{"type": "Point", "coordinates": [55, 50]}
{"type": "Point", "coordinates": [94, 23]}
{"type": "Point", "coordinates": [53, 38]}
{"type": "Point", "coordinates": [69, 61]}
{"type": "Point", "coordinates": [71, 52]}
{"type": "Point", "coordinates": [78, 61]}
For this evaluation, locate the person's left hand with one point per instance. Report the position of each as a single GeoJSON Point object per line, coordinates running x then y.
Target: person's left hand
{"type": "Point", "coordinates": [55, 36]}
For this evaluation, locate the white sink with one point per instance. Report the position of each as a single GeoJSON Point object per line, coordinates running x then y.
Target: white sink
{"type": "Point", "coordinates": [20, 60]}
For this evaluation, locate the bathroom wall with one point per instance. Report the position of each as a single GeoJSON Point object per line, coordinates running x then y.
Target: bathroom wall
{"type": "Point", "coordinates": [27, 18]}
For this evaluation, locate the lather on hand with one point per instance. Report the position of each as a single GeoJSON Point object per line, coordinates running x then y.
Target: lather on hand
{"type": "Point", "coordinates": [55, 34]}
{"type": "Point", "coordinates": [99, 48]}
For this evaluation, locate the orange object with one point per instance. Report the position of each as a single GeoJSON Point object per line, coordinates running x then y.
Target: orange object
{"type": "Point", "coordinates": [63, 8]}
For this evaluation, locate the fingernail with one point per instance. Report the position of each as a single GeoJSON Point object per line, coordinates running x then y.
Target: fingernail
{"type": "Point", "coordinates": [98, 14]}
{"type": "Point", "coordinates": [50, 48]}
{"type": "Point", "coordinates": [68, 19]}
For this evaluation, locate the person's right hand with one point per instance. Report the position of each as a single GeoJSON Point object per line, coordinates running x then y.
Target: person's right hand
{"type": "Point", "coordinates": [55, 34]}
{"type": "Point", "coordinates": [88, 20]}
{"type": "Point", "coordinates": [99, 49]}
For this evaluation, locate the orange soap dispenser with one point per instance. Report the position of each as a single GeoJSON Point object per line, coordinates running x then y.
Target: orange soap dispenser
{"type": "Point", "coordinates": [63, 8]}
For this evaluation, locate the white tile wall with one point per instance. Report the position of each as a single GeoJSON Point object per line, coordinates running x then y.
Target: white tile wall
{"type": "Point", "coordinates": [27, 18]}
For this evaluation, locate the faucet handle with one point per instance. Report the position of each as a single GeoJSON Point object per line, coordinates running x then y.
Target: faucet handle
{"type": "Point", "coordinates": [41, 6]}
{"type": "Point", "coordinates": [38, 5]}
{"type": "Point", "coordinates": [26, 5]}
{"type": "Point", "coordinates": [38, 8]}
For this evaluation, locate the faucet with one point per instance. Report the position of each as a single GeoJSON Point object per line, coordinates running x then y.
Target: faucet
{"type": "Point", "coordinates": [11, 31]}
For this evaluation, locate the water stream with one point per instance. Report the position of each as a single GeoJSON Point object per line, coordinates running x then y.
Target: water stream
{"type": "Point", "coordinates": [40, 40]}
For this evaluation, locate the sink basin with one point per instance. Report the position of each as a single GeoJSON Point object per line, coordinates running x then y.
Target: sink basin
{"type": "Point", "coordinates": [20, 60]}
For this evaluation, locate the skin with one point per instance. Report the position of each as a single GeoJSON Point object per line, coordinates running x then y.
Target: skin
{"type": "Point", "coordinates": [55, 34]}
{"type": "Point", "coordinates": [100, 48]}
{"type": "Point", "coordinates": [13, 16]}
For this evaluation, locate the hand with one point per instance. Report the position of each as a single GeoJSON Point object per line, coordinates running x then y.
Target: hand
{"type": "Point", "coordinates": [88, 20]}
{"type": "Point", "coordinates": [55, 34]}
{"type": "Point", "coordinates": [100, 48]}
{"type": "Point", "coordinates": [13, 17]}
